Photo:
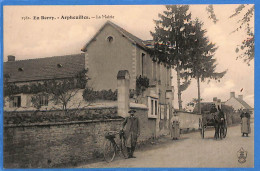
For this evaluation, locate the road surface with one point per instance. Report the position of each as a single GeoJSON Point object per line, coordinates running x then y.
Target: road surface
{"type": "Point", "coordinates": [191, 151]}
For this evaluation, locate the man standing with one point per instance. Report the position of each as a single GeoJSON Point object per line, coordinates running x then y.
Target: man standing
{"type": "Point", "coordinates": [132, 131]}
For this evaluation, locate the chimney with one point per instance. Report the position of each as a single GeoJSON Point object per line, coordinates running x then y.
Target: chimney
{"type": "Point", "coordinates": [11, 58]}
{"type": "Point", "coordinates": [240, 97]}
{"type": "Point", "coordinates": [232, 94]}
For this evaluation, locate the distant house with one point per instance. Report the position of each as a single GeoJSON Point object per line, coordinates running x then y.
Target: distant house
{"type": "Point", "coordinates": [238, 103]}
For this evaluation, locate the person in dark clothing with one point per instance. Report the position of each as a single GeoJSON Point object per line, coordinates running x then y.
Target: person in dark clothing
{"type": "Point", "coordinates": [132, 131]}
{"type": "Point", "coordinates": [213, 109]}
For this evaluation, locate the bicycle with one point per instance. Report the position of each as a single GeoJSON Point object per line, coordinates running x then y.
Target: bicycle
{"type": "Point", "coordinates": [111, 147]}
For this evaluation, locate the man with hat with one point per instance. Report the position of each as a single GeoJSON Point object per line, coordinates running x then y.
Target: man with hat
{"type": "Point", "coordinates": [132, 131]}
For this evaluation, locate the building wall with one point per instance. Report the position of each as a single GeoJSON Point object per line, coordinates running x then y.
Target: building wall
{"type": "Point", "coordinates": [76, 101]}
{"type": "Point", "coordinates": [105, 59]}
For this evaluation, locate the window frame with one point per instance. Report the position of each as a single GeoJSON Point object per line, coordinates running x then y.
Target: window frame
{"type": "Point", "coordinates": [153, 107]}
{"type": "Point", "coordinates": [16, 102]}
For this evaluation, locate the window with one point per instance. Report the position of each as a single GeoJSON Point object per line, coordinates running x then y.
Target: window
{"type": "Point", "coordinates": [142, 63]}
{"type": "Point", "coordinates": [168, 112]}
{"type": "Point", "coordinates": [44, 100]}
{"type": "Point", "coordinates": [110, 39]}
{"type": "Point", "coordinates": [15, 101]}
{"type": "Point", "coordinates": [153, 107]}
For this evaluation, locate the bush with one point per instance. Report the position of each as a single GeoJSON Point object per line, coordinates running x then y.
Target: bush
{"type": "Point", "coordinates": [91, 95]}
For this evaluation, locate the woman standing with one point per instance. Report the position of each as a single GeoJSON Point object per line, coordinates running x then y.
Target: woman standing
{"type": "Point", "coordinates": [245, 123]}
{"type": "Point", "coordinates": [175, 126]}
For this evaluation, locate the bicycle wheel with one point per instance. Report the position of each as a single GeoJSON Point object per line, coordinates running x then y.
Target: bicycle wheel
{"type": "Point", "coordinates": [123, 148]}
{"type": "Point", "coordinates": [109, 151]}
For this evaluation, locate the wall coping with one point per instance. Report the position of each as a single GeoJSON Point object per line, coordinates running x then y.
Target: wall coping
{"type": "Point", "coordinates": [188, 113]}
{"type": "Point", "coordinates": [138, 106]}
{"type": "Point", "coordinates": [60, 123]}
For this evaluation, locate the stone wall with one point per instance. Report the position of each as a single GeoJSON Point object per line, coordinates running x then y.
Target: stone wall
{"type": "Point", "coordinates": [44, 146]}
{"type": "Point", "coordinates": [68, 143]}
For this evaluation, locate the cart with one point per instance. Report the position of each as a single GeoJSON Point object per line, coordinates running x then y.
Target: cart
{"type": "Point", "coordinates": [208, 121]}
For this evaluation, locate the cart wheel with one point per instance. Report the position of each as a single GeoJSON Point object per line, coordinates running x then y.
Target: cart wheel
{"type": "Point", "coordinates": [109, 151]}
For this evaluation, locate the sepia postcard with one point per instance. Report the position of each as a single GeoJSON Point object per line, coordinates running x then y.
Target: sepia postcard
{"type": "Point", "coordinates": [128, 86]}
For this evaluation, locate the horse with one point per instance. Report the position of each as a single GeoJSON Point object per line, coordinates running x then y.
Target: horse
{"type": "Point", "coordinates": [219, 123]}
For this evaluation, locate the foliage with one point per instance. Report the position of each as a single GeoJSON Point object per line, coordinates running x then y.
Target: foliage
{"type": "Point", "coordinates": [225, 108]}
{"type": "Point", "coordinates": [36, 100]}
{"type": "Point", "coordinates": [171, 36]}
{"type": "Point", "coordinates": [59, 116]}
{"type": "Point", "coordinates": [212, 15]}
{"type": "Point", "coordinates": [90, 95]}
{"type": "Point", "coordinates": [202, 63]}
{"type": "Point", "coordinates": [245, 15]}
{"type": "Point", "coordinates": [194, 102]}
{"type": "Point", "coordinates": [247, 46]}
{"type": "Point", "coordinates": [186, 81]}
{"type": "Point", "coordinates": [79, 81]}
{"type": "Point", "coordinates": [142, 83]}
{"type": "Point", "coordinates": [60, 91]}
{"type": "Point", "coordinates": [131, 93]}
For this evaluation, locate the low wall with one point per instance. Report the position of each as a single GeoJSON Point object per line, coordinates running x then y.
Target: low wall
{"type": "Point", "coordinates": [189, 120]}
{"type": "Point", "coordinates": [50, 144]}
{"type": "Point", "coordinates": [54, 145]}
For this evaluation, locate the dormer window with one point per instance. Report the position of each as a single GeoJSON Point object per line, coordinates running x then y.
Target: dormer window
{"type": "Point", "coordinates": [110, 39]}
{"type": "Point", "coordinates": [59, 65]}
{"type": "Point", "coordinates": [20, 69]}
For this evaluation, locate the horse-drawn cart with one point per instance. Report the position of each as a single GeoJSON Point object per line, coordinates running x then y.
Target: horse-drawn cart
{"type": "Point", "coordinates": [215, 120]}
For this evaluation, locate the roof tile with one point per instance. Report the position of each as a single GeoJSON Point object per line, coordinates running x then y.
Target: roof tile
{"type": "Point", "coordinates": [45, 68]}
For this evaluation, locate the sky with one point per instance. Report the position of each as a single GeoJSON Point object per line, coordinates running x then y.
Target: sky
{"type": "Point", "coordinates": [30, 38]}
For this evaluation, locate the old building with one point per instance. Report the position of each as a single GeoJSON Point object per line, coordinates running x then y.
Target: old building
{"type": "Point", "coordinates": [36, 71]}
{"type": "Point", "coordinates": [238, 103]}
{"type": "Point", "coordinates": [113, 49]}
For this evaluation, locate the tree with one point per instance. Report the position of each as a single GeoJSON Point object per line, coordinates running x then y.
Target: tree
{"type": "Point", "coordinates": [171, 38]}
{"type": "Point", "coordinates": [245, 15]}
{"type": "Point", "coordinates": [202, 64]}
{"type": "Point", "coordinates": [59, 91]}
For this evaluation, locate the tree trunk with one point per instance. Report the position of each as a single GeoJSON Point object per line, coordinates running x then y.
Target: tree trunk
{"type": "Point", "coordinates": [198, 82]}
{"type": "Point", "coordinates": [178, 85]}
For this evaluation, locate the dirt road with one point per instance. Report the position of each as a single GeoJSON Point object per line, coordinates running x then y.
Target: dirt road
{"type": "Point", "coordinates": [191, 151]}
